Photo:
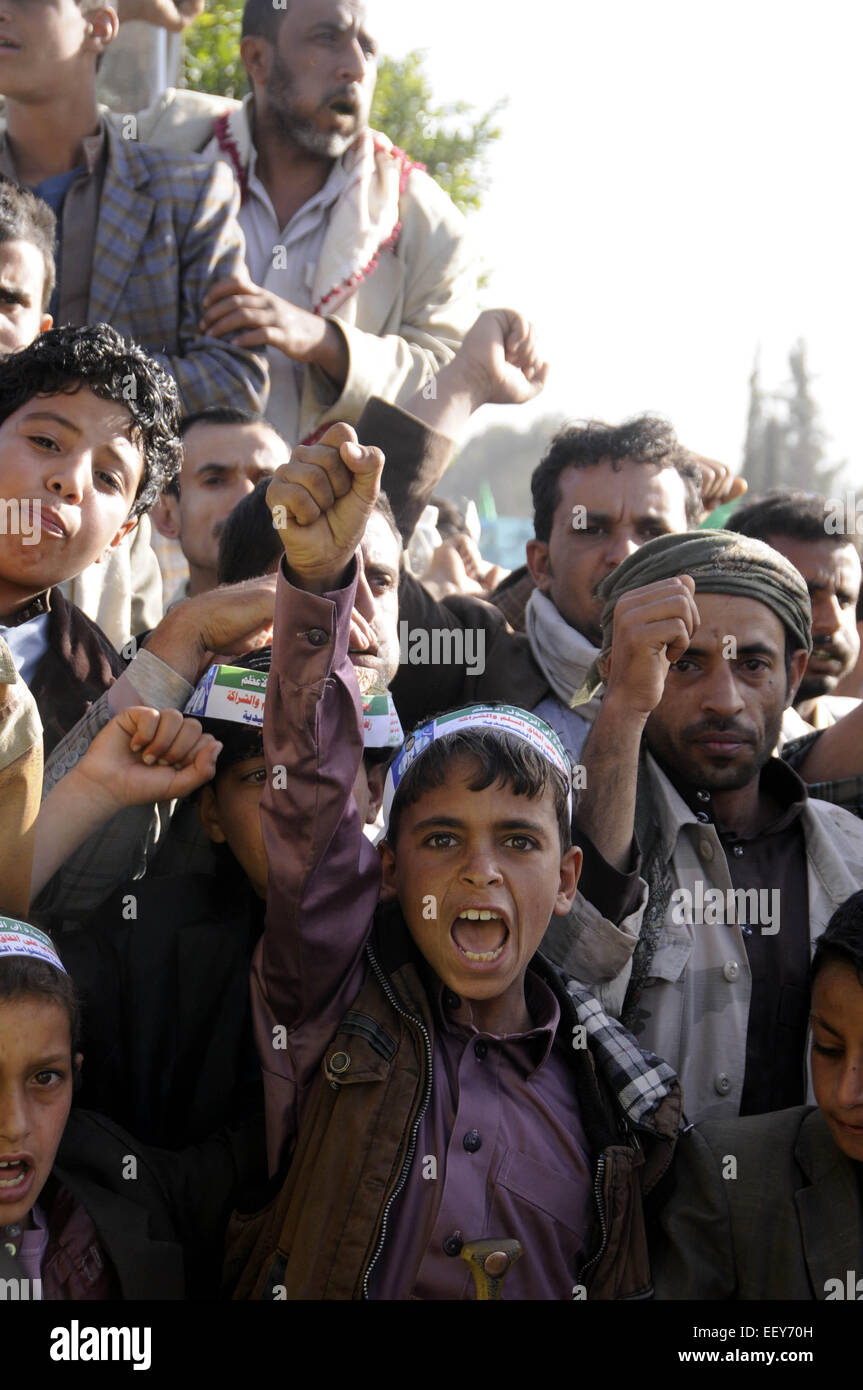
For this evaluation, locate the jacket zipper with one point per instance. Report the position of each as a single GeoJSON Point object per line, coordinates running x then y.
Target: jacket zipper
{"type": "Point", "coordinates": [600, 1206]}
{"type": "Point", "coordinates": [409, 1156]}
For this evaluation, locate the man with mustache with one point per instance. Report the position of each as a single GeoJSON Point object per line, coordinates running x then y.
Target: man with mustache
{"type": "Point", "coordinates": [360, 279]}
{"type": "Point", "coordinates": [796, 524]}
{"type": "Point", "coordinates": [705, 638]}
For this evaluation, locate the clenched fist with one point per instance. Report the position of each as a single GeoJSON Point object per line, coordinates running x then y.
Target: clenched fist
{"type": "Point", "coordinates": [321, 502]}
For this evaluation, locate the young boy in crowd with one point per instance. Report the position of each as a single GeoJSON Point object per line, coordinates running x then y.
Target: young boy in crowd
{"type": "Point", "coordinates": [432, 1082]}
{"type": "Point", "coordinates": [27, 274]}
{"type": "Point", "coordinates": [88, 440]}
{"type": "Point", "coordinates": [70, 1214]}
{"type": "Point", "coordinates": [790, 1227]}
{"type": "Point", "coordinates": [162, 967]}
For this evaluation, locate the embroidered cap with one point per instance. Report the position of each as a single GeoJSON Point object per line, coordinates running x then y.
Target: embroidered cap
{"type": "Point", "coordinates": [504, 719]}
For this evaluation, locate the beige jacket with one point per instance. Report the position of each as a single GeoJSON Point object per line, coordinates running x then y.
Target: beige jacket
{"type": "Point", "coordinates": [700, 985]}
{"type": "Point", "coordinates": [417, 298]}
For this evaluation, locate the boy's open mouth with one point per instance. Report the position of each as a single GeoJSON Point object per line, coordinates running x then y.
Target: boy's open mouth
{"type": "Point", "coordinates": [13, 1175]}
{"type": "Point", "coordinates": [480, 934]}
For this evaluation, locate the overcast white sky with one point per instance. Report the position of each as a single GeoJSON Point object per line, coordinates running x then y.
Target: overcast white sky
{"type": "Point", "coordinates": [677, 184]}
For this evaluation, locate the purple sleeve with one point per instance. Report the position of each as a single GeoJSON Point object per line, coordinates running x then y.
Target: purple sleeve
{"type": "Point", "coordinates": [324, 875]}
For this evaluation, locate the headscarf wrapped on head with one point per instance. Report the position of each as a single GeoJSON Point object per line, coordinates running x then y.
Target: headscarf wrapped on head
{"type": "Point", "coordinates": [720, 562]}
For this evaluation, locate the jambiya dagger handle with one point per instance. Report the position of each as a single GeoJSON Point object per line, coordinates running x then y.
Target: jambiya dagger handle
{"type": "Point", "coordinates": [490, 1262]}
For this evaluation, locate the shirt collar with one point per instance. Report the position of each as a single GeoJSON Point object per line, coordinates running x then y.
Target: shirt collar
{"type": "Point", "coordinates": [94, 147]}
{"type": "Point", "coordinates": [323, 199]}
{"type": "Point", "coordinates": [38, 605]}
{"type": "Point", "coordinates": [532, 1047]}
{"type": "Point", "coordinates": [778, 781]}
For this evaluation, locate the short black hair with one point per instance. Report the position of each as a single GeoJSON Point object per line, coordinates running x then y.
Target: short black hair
{"type": "Point", "coordinates": [23, 977]}
{"type": "Point", "coordinates": [96, 358]}
{"type": "Point", "coordinates": [222, 415]}
{"type": "Point", "coordinates": [786, 511]}
{"type": "Point", "coordinates": [216, 415]}
{"type": "Point", "coordinates": [842, 939]}
{"type": "Point", "coordinates": [644, 439]}
{"type": "Point", "coordinates": [500, 757]}
{"type": "Point", "coordinates": [250, 544]}
{"type": "Point", "coordinates": [24, 217]}
{"type": "Point", "coordinates": [261, 19]}
{"type": "Point", "coordinates": [450, 518]}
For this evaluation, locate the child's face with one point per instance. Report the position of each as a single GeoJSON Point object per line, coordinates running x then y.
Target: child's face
{"type": "Point", "coordinates": [837, 1054]}
{"type": "Point", "coordinates": [73, 456]}
{"type": "Point", "coordinates": [229, 809]}
{"type": "Point", "coordinates": [460, 851]}
{"type": "Point", "coordinates": [22, 285]}
{"type": "Point", "coordinates": [36, 1074]}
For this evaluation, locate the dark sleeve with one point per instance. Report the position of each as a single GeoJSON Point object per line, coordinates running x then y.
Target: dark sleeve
{"type": "Point", "coordinates": [418, 690]}
{"type": "Point", "coordinates": [612, 893]}
{"type": "Point", "coordinates": [692, 1254]}
{"type": "Point", "coordinates": [416, 457]}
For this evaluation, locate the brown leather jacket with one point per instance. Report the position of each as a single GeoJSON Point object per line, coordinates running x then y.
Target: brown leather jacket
{"type": "Point", "coordinates": [321, 1235]}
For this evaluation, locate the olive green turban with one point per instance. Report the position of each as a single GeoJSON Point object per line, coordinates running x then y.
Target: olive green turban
{"type": "Point", "coordinates": [720, 562]}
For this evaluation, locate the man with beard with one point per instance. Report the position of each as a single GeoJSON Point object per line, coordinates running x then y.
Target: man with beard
{"type": "Point", "coordinates": [361, 281]}
{"type": "Point", "coordinates": [795, 524]}
{"type": "Point", "coordinates": [705, 637]}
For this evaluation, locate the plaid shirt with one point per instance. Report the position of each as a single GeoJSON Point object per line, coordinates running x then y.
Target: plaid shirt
{"type": "Point", "coordinates": [167, 231]}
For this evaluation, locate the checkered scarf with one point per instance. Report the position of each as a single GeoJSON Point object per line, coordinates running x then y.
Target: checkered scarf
{"type": "Point", "coordinates": [640, 1080]}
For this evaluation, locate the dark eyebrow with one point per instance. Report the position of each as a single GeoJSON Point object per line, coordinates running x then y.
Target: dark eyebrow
{"type": "Point", "coordinates": [213, 467]}
{"type": "Point", "coordinates": [57, 419]}
{"type": "Point", "coordinates": [750, 649]}
{"type": "Point", "coordinates": [816, 1018]}
{"type": "Point", "coordinates": [50, 1061]}
{"type": "Point", "coordinates": [13, 296]}
{"type": "Point", "coordinates": [453, 823]}
{"type": "Point", "coordinates": [121, 462]}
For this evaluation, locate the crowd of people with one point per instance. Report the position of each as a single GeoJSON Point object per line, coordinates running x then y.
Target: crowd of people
{"type": "Point", "coordinates": [375, 923]}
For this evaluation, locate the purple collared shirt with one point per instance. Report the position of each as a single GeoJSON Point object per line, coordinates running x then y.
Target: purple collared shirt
{"type": "Point", "coordinates": [500, 1152]}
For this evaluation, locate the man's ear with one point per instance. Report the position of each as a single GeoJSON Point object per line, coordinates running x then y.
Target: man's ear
{"type": "Point", "coordinates": [799, 662]}
{"type": "Point", "coordinates": [165, 516]}
{"type": "Point", "coordinates": [538, 564]}
{"type": "Point", "coordinates": [570, 873]}
{"type": "Point", "coordinates": [389, 890]}
{"type": "Point", "coordinates": [257, 55]}
{"type": "Point", "coordinates": [102, 27]}
{"type": "Point", "coordinates": [208, 813]}
{"type": "Point", "coordinates": [120, 536]}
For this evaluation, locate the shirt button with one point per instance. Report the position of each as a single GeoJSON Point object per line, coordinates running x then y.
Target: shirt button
{"type": "Point", "coordinates": [9, 1248]}
{"type": "Point", "coordinates": [738, 851]}
{"type": "Point", "coordinates": [722, 1084]}
{"type": "Point", "coordinates": [731, 970]}
{"type": "Point", "coordinates": [703, 817]}
{"type": "Point", "coordinates": [451, 1000]}
{"type": "Point", "coordinates": [318, 636]}
{"type": "Point", "coordinates": [480, 1050]}
{"type": "Point", "coordinates": [702, 796]}
{"type": "Point", "coordinates": [453, 1244]}
{"type": "Point", "coordinates": [472, 1141]}
{"type": "Point", "coordinates": [706, 850]}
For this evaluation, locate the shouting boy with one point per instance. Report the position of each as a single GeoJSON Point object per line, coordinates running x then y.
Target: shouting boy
{"type": "Point", "coordinates": [88, 440]}
{"type": "Point", "coordinates": [432, 1081]}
